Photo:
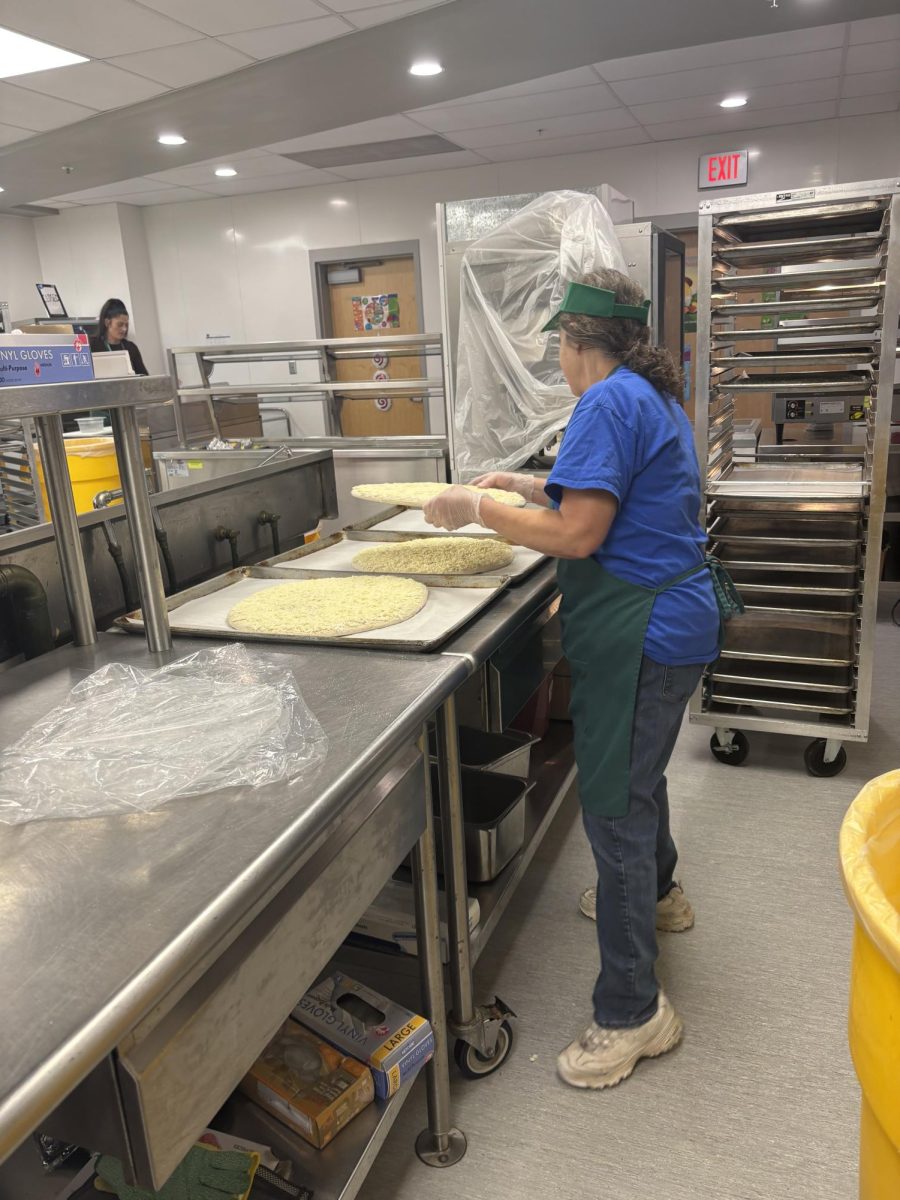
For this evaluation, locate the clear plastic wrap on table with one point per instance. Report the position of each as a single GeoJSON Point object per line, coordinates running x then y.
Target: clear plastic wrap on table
{"type": "Point", "coordinates": [511, 397]}
{"type": "Point", "coordinates": [129, 740]}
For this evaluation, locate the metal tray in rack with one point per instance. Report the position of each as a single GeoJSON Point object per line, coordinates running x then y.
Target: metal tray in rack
{"type": "Point", "coordinates": [783, 699]}
{"type": "Point", "coordinates": [858, 330]}
{"type": "Point", "coordinates": [838, 275]}
{"type": "Point", "coordinates": [784, 675]}
{"type": "Point", "coordinates": [810, 383]}
{"type": "Point", "coordinates": [202, 611]}
{"type": "Point", "coordinates": [800, 602]}
{"type": "Point", "coordinates": [838, 245]}
{"type": "Point", "coordinates": [724, 304]}
{"type": "Point", "coordinates": [747, 529]}
{"type": "Point", "coordinates": [755, 556]}
{"type": "Point", "coordinates": [795, 506]}
{"type": "Point", "coordinates": [851, 360]}
{"type": "Point", "coordinates": [852, 216]}
{"type": "Point", "coordinates": [791, 638]}
{"type": "Point", "coordinates": [335, 555]}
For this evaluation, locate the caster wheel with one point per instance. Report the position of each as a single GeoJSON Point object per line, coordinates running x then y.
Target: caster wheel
{"type": "Point", "coordinates": [814, 757]}
{"type": "Point", "coordinates": [734, 753]}
{"type": "Point", "coordinates": [474, 1065]}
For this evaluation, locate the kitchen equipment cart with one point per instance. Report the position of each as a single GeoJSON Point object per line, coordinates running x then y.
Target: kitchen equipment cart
{"type": "Point", "coordinates": [799, 297]}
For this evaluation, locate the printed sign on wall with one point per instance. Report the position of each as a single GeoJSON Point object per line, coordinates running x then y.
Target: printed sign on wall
{"type": "Point", "coordinates": [724, 170]}
{"type": "Point", "coordinates": [376, 312]}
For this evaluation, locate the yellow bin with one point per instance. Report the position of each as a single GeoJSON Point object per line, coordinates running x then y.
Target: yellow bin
{"type": "Point", "coordinates": [92, 469]}
{"type": "Point", "coordinates": [870, 861]}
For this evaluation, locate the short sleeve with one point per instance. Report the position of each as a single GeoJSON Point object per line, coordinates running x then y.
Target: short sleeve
{"type": "Point", "coordinates": [599, 450]}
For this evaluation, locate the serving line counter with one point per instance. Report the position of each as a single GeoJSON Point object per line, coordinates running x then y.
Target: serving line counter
{"type": "Point", "coordinates": [149, 959]}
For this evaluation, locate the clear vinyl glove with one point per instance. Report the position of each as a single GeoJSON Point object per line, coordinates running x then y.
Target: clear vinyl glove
{"type": "Point", "coordinates": [454, 508]}
{"type": "Point", "coordinates": [508, 481]}
{"type": "Point", "coordinates": [204, 1174]}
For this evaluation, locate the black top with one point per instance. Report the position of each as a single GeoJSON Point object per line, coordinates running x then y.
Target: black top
{"type": "Point", "coordinates": [99, 345]}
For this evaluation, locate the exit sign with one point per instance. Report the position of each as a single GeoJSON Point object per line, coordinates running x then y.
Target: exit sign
{"type": "Point", "coordinates": [724, 170]}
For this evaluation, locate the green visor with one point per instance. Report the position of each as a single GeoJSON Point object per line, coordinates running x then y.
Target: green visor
{"type": "Point", "coordinates": [590, 301]}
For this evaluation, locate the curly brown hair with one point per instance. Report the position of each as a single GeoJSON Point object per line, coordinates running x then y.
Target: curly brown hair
{"type": "Point", "coordinates": [623, 339]}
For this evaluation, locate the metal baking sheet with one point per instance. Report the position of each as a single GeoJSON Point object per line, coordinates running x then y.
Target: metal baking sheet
{"type": "Point", "coordinates": [839, 245]}
{"type": "Point", "coordinates": [844, 213]}
{"type": "Point", "coordinates": [811, 383]}
{"type": "Point", "coordinates": [826, 331]}
{"type": "Point", "coordinates": [724, 304]}
{"type": "Point", "coordinates": [795, 506]}
{"type": "Point", "coordinates": [784, 675]}
{"type": "Point", "coordinates": [810, 532]}
{"type": "Point", "coordinates": [336, 553]}
{"type": "Point", "coordinates": [743, 696]}
{"type": "Point", "coordinates": [791, 557]}
{"type": "Point", "coordinates": [789, 281]}
{"type": "Point", "coordinates": [820, 481]}
{"type": "Point", "coordinates": [789, 359]}
{"type": "Point", "coordinates": [202, 611]}
{"type": "Point", "coordinates": [789, 637]}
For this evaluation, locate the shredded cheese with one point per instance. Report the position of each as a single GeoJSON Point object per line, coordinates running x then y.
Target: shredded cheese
{"type": "Point", "coordinates": [417, 495]}
{"type": "Point", "coordinates": [436, 556]}
{"type": "Point", "coordinates": [329, 607]}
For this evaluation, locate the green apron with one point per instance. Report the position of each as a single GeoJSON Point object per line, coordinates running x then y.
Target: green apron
{"type": "Point", "coordinates": [604, 622]}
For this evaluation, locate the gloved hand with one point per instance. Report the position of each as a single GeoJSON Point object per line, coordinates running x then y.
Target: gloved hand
{"type": "Point", "coordinates": [204, 1174]}
{"type": "Point", "coordinates": [454, 508]}
{"type": "Point", "coordinates": [508, 481]}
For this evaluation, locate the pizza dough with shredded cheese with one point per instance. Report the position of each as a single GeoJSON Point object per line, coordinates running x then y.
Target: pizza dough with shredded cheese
{"type": "Point", "coordinates": [417, 495]}
{"type": "Point", "coordinates": [329, 607]}
{"type": "Point", "coordinates": [436, 556]}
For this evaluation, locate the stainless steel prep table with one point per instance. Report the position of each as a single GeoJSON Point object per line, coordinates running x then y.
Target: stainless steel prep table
{"type": "Point", "coordinates": [133, 948]}
{"type": "Point", "coordinates": [511, 647]}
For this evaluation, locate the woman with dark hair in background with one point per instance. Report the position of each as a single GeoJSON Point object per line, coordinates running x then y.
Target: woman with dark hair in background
{"type": "Point", "coordinates": [640, 619]}
{"type": "Point", "coordinates": [112, 334]}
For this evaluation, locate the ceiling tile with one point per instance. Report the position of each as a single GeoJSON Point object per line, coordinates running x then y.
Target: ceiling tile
{"type": "Point", "coordinates": [270, 183]}
{"type": "Point", "coordinates": [580, 77]}
{"type": "Point", "coordinates": [283, 39]}
{"type": "Point", "coordinates": [546, 130]}
{"type": "Point", "coordinates": [866, 85]}
{"type": "Point", "coordinates": [123, 187]}
{"type": "Point", "coordinates": [516, 108]}
{"type": "Point", "coordinates": [726, 80]}
{"type": "Point", "coordinates": [235, 16]}
{"type": "Point", "coordinates": [31, 110]}
{"type": "Point", "coordinates": [857, 106]}
{"type": "Point", "coordinates": [94, 84]}
{"type": "Point", "coordinates": [169, 196]}
{"type": "Point", "coordinates": [10, 134]}
{"type": "Point", "coordinates": [380, 14]}
{"type": "Point", "coordinates": [873, 56]}
{"type": "Point", "coordinates": [793, 115]}
{"type": "Point", "coordinates": [692, 58]}
{"type": "Point", "coordinates": [180, 66]}
{"type": "Point", "coordinates": [94, 27]}
{"type": "Point", "coordinates": [253, 166]}
{"type": "Point", "coordinates": [409, 166]}
{"type": "Point", "coordinates": [875, 29]}
{"type": "Point", "coordinates": [382, 129]}
{"type": "Point", "coordinates": [577, 144]}
{"type": "Point", "coordinates": [806, 92]}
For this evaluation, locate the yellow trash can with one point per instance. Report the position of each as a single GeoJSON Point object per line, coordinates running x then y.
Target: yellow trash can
{"type": "Point", "coordinates": [93, 468]}
{"type": "Point", "coordinates": [870, 861]}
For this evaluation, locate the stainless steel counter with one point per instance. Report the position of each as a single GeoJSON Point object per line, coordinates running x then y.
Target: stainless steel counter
{"type": "Point", "coordinates": [105, 920]}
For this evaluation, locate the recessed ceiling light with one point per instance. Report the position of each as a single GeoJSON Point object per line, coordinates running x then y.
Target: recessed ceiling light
{"type": "Point", "coordinates": [225, 172]}
{"type": "Point", "coordinates": [171, 139]}
{"type": "Point", "coordinates": [426, 66]}
{"type": "Point", "coordinates": [2, 189]}
{"type": "Point", "coordinates": [338, 202]}
{"type": "Point", "coordinates": [19, 55]}
{"type": "Point", "coordinates": [733, 102]}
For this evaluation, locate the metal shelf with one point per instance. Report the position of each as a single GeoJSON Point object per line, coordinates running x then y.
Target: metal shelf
{"type": "Point", "coordinates": [553, 774]}
{"type": "Point", "coordinates": [335, 1173]}
{"type": "Point", "coordinates": [386, 387]}
{"type": "Point", "coordinates": [842, 245]}
{"type": "Point", "coordinates": [54, 399]}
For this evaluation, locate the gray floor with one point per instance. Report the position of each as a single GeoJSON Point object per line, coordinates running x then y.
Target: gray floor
{"type": "Point", "coordinates": [760, 1100]}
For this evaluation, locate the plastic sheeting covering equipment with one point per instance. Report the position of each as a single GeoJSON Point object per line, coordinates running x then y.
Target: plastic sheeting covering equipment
{"type": "Point", "coordinates": [511, 397]}
{"type": "Point", "coordinates": [870, 861]}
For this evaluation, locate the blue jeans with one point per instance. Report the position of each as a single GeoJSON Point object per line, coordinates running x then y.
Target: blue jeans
{"type": "Point", "coordinates": [635, 854]}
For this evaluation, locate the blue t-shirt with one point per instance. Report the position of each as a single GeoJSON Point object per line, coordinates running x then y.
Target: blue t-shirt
{"type": "Point", "coordinates": [625, 438]}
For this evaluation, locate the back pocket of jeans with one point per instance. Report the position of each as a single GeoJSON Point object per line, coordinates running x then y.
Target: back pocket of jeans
{"type": "Point", "coordinates": [679, 682]}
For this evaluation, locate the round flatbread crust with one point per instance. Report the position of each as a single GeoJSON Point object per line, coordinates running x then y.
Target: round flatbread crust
{"type": "Point", "coordinates": [436, 556]}
{"type": "Point", "coordinates": [417, 495]}
{"type": "Point", "coordinates": [329, 607]}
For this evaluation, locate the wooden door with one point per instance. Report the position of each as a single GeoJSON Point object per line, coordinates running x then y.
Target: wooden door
{"type": "Point", "coordinates": [385, 298]}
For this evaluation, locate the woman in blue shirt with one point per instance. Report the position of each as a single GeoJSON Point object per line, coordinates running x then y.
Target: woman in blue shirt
{"type": "Point", "coordinates": [640, 621]}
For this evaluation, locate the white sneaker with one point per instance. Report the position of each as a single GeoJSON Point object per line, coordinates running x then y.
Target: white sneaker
{"type": "Point", "coordinates": [674, 913]}
{"type": "Point", "coordinates": [603, 1057]}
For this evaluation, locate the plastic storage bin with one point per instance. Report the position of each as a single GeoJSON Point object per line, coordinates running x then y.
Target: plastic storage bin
{"type": "Point", "coordinates": [92, 468]}
{"type": "Point", "coordinates": [870, 861]}
{"type": "Point", "coordinates": [494, 817]}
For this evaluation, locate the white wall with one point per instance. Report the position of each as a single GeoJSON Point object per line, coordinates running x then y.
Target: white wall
{"type": "Point", "coordinates": [20, 267]}
{"type": "Point", "coordinates": [81, 252]}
